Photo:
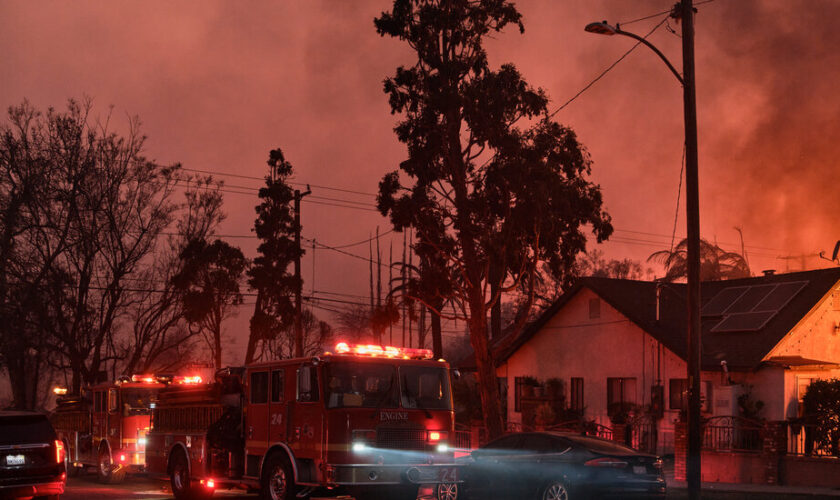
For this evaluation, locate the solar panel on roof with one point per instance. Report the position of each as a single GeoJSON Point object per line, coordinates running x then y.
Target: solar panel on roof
{"type": "Point", "coordinates": [744, 322]}
{"type": "Point", "coordinates": [750, 298]}
{"type": "Point", "coordinates": [780, 296]}
{"type": "Point", "coordinates": [722, 301]}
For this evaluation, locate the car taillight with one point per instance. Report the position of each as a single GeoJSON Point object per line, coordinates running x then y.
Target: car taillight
{"type": "Point", "coordinates": [606, 462]}
{"type": "Point", "coordinates": [59, 451]}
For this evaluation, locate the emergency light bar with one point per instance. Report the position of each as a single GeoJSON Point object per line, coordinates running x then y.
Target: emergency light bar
{"type": "Point", "coordinates": [385, 351]}
{"type": "Point", "coordinates": [195, 379]}
{"type": "Point", "coordinates": [146, 379]}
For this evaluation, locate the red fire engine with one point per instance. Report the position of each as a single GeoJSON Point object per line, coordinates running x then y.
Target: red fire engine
{"type": "Point", "coordinates": [106, 426]}
{"type": "Point", "coordinates": [359, 418]}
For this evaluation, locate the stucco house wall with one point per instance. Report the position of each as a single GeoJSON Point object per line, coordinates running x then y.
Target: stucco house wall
{"type": "Point", "coordinates": [572, 344]}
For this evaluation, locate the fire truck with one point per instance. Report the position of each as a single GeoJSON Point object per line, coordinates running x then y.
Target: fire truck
{"type": "Point", "coordinates": [106, 426]}
{"type": "Point", "coordinates": [360, 420]}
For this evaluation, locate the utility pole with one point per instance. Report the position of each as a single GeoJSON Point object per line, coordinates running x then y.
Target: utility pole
{"type": "Point", "coordinates": [298, 279]}
{"type": "Point", "coordinates": [685, 11]}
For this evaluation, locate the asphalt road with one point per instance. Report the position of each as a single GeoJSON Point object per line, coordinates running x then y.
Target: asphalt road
{"type": "Point", "coordinates": [142, 488]}
{"type": "Point", "coordinates": [86, 487]}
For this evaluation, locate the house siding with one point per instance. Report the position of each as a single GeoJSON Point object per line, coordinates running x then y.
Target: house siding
{"type": "Point", "coordinates": [573, 345]}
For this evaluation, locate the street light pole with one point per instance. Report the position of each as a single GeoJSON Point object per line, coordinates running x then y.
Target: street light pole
{"type": "Point", "coordinates": [692, 213]}
{"type": "Point", "coordinates": [684, 10]}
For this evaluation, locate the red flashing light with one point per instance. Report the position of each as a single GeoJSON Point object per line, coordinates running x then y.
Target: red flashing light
{"type": "Point", "coordinates": [59, 451]}
{"type": "Point", "coordinates": [384, 351]}
{"type": "Point", "coordinates": [209, 483]}
{"type": "Point", "coordinates": [146, 379]}
{"type": "Point", "coordinates": [122, 457]}
{"type": "Point", "coordinates": [186, 380]}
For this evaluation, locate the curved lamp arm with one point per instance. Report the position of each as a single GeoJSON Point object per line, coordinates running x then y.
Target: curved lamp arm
{"type": "Point", "coordinates": [603, 28]}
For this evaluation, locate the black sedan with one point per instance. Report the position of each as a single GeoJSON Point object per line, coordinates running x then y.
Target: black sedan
{"type": "Point", "coordinates": [561, 466]}
{"type": "Point", "coordinates": [31, 457]}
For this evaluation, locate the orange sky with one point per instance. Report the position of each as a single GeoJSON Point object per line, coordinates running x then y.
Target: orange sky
{"type": "Point", "coordinates": [219, 84]}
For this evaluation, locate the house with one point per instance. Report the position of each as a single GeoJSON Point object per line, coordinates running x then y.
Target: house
{"type": "Point", "coordinates": [618, 347]}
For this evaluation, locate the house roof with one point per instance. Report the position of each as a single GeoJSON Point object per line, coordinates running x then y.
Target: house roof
{"type": "Point", "coordinates": [741, 349]}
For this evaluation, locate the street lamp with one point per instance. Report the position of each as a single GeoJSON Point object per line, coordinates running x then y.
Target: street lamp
{"type": "Point", "coordinates": [684, 10]}
{"type": "Point", "coordinates": [604, 28]}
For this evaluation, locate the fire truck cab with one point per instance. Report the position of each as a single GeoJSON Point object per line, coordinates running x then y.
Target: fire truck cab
{"type": "Point", "coordinates": [359, 418]}
{"type": "Point", "coordinates": [106, 426]}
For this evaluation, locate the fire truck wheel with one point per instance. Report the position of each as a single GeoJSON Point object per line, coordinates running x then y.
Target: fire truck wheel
{"type": "Point", "coordinates": [278, 481]}
{"type": "Point", "coordinates": [105, 467]}
{"type": "Point", "coordinates": [179, 477]}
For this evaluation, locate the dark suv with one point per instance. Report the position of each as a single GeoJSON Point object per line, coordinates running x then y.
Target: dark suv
{"type": "Point", "coordinates": [31, 457]}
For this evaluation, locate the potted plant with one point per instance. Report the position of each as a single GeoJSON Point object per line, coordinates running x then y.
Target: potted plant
{"type": "Point", "coordinates": [545, 416]}
{"type": "Point", "coordinates": [554, 388]}
{"type": "Point", "coordinates": [528, 385]}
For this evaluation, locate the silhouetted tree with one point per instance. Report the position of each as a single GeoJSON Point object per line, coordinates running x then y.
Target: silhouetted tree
{"type": "Point", "coordinates": [209, 286]}
{"type": "Point", "coordinates": [316, 337]}
{"type": "Point", "coordinates": [491, 183]}
{"type": "Point", "coordinates": [275, 227]}
{"type": "Point", "coordinates": [159, 339]}
{"type": "Point", "coordinates": [36, 187]}
{"type": "Point", "coordinates": [715, 263]}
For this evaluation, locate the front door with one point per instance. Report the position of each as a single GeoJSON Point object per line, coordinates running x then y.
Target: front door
{"type": "Point", "coordinates": [308, 422]}
{"type": "Point", "coordinates": [100, 422]}
{"type": "Point", "coordinates": [256, 423]}
{"type": "Point", "coordinates": [278, 404]}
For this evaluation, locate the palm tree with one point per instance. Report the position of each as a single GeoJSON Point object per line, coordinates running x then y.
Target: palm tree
{"type": "Point", "coordinates": [715, 263]}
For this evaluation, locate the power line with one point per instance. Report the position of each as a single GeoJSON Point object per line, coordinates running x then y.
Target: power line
{"type": "Point", "coordinates": [610, 67]}
{"type": "Point", "coordinates": [319, 186]}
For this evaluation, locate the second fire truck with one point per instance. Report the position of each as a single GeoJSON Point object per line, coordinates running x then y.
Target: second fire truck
{"type": "Point", "coordinates": [105, 427]}
{"type": "Point", "coordinates": [361, 418]}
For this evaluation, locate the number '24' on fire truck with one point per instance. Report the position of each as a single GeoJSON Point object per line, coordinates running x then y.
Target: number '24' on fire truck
{"type": "Point", "coordinates": [361, 418]}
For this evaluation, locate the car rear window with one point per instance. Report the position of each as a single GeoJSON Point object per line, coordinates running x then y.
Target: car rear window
{"type": "Point", "coordinates": [601, 446]}
{"type": "Point", "coordinates": [25, 429]}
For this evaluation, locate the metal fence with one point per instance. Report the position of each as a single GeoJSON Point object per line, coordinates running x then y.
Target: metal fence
{"type": "Point", "coordinates": [801, 441]}
{"type": "Point", "coordinates": [732, 434]}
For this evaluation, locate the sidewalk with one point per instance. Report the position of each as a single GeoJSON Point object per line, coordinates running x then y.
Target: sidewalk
{"type": "Point", "coordinates": [726, 491]}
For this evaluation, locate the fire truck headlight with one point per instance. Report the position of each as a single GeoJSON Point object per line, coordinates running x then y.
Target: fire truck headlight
{"type": "Point", "coordinates": [141, 441]}
{"type": "Point", "coordinates": [359, 447]}
{"type": "Point", "coordinates": [442, 448]}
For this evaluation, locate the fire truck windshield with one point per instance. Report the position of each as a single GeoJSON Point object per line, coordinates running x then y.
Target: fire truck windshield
{"type": "Point", "coordinates": [137, 401]}
{"type": "Point", "coordinates": [366, 385]}
{"type": "Point", "coordinates": [374, 385]}
{"type": "Point", "coordinates": [425, 387]}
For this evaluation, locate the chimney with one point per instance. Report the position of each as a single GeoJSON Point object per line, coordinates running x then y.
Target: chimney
{"type": "Point", "coordinates": [769, 272]}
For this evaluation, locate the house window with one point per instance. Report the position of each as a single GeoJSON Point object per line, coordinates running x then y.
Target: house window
{"type": "Point", "coordinates": [576, 394]}
{"type": "Point", "coordinates": [802, 384]}
{"type": "Point", "coordinates": [621, 394]}
{"type": "Point", "coordinates": [503, 395]}
{"type": "Point", "coordinates": [678, 394]}
{"type": "Point", "coordinates": [517, 393]}
{"type": "Point", "coordinates": [594, 308]}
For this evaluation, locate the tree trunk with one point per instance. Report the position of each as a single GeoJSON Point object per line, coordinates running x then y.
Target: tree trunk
{"type": "Point", "coordinates": [437, 341]}
{"type": "Point", "coordinates": [495, 279]}
{"type": "Point", "coordinates": [486, 367]}
{"type": "Point", "coordinates": [254, 331]}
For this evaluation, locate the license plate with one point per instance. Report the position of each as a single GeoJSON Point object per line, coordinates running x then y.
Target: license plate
{"type": "Point", "coordinates": [448, 475]}
{"type": "Point", "coordinates": [15, 459]}
{"type": "Point", "coordinates": [639, 469]}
